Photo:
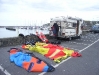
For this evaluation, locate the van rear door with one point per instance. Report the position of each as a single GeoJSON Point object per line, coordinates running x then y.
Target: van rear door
{"type": "Point", "coordinates": [70, 31]}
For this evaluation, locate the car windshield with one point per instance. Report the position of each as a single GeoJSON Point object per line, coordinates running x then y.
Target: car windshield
{"type": "Point", "coordinates": [95, 26]}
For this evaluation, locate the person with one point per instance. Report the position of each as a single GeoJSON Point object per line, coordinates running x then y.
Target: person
{"type": "Point", "coordinates": [55, 29]}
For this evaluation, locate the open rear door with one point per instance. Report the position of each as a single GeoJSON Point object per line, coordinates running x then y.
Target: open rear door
{"type": "Point", "coordinates": [77, 29]}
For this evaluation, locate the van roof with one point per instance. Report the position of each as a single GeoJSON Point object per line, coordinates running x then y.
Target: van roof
{"type": "Point", "coordinates": [62, 18]}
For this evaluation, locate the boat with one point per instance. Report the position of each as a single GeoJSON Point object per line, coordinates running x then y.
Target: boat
{"type": "Point", "coordinates": [12, 29]}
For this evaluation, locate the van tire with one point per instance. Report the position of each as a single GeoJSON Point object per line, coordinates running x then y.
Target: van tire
{"type": "Point", "coordinates": [79, 37]}
{"type": "Point", "coordinates": [70, 38]}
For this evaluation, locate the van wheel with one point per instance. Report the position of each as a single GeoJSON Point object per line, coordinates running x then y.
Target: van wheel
{"type": "Point", "coordinates": [69, 38]}
{"type": "Point", "coordinates": [79, 37]}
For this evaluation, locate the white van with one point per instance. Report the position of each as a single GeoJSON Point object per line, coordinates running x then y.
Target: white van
{"type": "Point", "coordinates": [68, 27]}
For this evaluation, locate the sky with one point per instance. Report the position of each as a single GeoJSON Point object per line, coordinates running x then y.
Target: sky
{"type": "Point", "coordinates": [38, 12]}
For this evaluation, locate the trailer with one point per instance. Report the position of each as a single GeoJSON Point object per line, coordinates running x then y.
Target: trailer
{"type": "Point", "coordinates": [69, 27]}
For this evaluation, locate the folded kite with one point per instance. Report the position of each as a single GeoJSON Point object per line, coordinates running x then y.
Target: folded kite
{"type": "Point", "coordinates": [29, 62]}
{"type": "Point", "coordinates": [42, 37]}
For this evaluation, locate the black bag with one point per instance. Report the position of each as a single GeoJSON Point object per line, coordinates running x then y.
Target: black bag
{"type": "Point", "coordinates": [55, 42]}
{"type": "Point", "coordinates": [32, 42]}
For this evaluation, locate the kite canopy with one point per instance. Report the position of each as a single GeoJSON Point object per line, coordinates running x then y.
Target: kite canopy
{"type": "Point", "coordinates": [29, 62]}
{"type": "Point", "coordinates": [54, 52]}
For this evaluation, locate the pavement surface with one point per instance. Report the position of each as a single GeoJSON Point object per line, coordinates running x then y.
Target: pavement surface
{"type": "Point", "coordinates": [88, 64]}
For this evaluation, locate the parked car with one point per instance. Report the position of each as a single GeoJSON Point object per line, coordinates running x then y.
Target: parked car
{"type": "Point", "coordinates": [95, 28]}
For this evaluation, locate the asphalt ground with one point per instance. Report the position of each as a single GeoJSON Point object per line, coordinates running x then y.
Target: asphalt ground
{"type": "Point", "coordinates": [88, 64]}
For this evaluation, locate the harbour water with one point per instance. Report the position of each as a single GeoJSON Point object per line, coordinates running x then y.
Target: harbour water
{"type": "Point", "coordinates": [8, 33]}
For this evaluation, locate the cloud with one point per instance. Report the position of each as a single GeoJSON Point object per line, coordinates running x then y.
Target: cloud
{"type": "Point", "coordinates": [24, 12]}
{"type": "Point", "coordinates": [92, 8]}
{"type": "Point", "coordinates": [81, 4]}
